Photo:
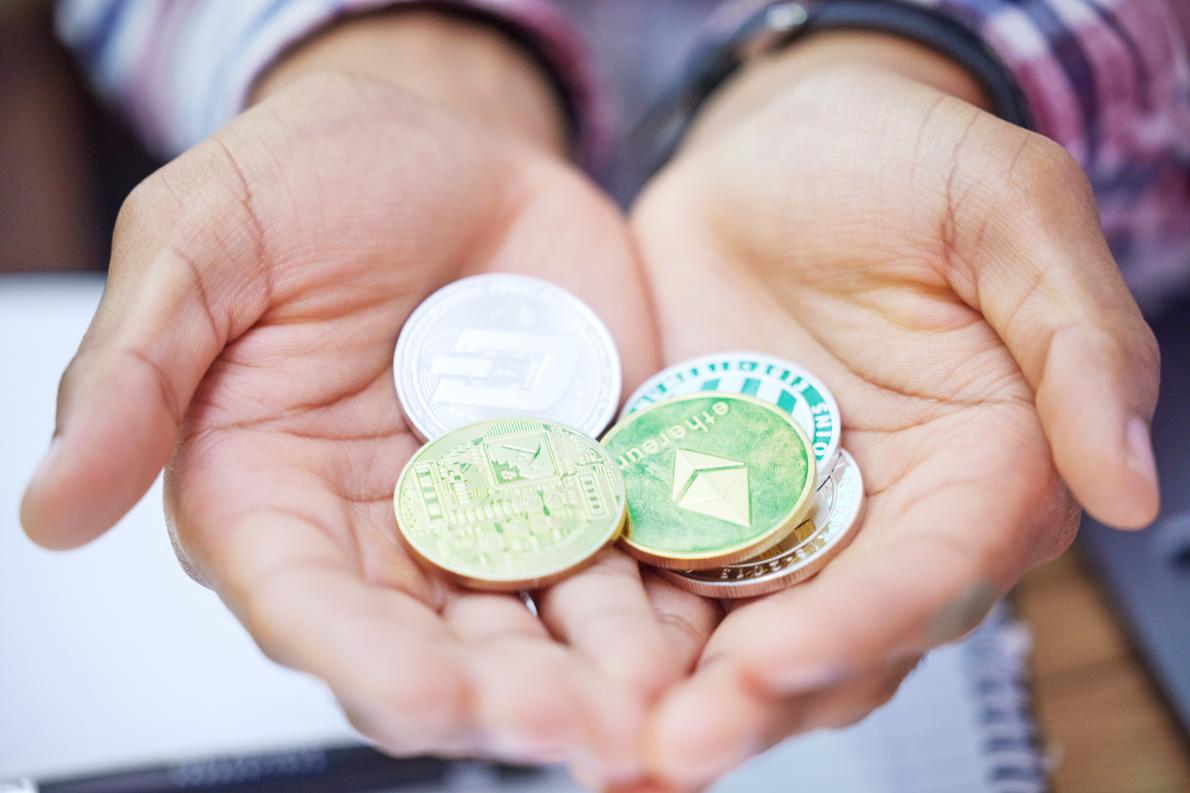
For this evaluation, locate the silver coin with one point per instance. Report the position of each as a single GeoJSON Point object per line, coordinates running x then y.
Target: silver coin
{"type": "Point", "coordinates": [502, 345]}
{"type": "Point", "coordinates": [838, 506]}
{"type": "Point", "coordinates": [766, 377]}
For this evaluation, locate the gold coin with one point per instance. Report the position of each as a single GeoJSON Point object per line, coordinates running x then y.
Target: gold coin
{"type": "Point", "coordinates": [509, 504]}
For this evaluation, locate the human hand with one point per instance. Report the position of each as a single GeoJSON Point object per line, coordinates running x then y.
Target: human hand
{"type": "Point", "coordinates": [257, 286]}
{"type": "Point", "coordinates": [945, 274]}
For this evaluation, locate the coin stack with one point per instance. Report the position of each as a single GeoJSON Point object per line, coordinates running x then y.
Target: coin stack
{"type": "Point", "coordinates": [724, 472]}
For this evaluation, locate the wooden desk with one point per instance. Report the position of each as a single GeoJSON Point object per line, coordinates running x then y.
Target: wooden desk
{"type": "Point", "coordinates": [1105, 727]}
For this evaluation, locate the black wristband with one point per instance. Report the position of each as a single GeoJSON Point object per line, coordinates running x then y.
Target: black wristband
{"type": "Point", "coordinates": [780, 23]}
{"type": "Point", "coordinates": [940, 33]}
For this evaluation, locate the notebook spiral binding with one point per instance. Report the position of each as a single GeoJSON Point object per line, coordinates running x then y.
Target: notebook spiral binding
{"type": "Point", "coordinates": [996, 657]}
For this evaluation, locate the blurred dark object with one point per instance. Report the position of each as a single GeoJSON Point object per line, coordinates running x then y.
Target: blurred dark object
{"type": "Point", "coordinates": [346, 769]}
{"type": "Point", "coordinates": [66, 162]}
{"type": "Point", "coordinates": [1148, 573]}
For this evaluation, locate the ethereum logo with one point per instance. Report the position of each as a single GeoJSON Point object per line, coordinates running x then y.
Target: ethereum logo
{"type": "Point", "coordinates": [712, 486]}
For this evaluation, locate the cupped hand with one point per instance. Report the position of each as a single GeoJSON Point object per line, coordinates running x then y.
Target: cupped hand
{"type": "Point", "coordinates": [944, 273]}
{"type": "Point", "coordinates": [257, 286]}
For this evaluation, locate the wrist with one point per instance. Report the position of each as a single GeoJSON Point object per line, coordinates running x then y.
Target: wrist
{"type": "Point", "coordinates": [464, 65]}
{"type": "Point", "coordinates": [766, 78]}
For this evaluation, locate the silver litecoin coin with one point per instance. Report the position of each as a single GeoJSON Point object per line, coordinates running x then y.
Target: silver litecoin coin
{"type": "Point", "coordinates": [766, 377]}
{"type": "Point", "coordinates": [502, 345]}
{"type": "Point", "coordinates": [834, 518]}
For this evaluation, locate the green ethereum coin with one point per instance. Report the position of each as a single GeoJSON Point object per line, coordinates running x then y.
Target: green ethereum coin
{"type": "Point", "coordinates": [711, 479]}
{"type": "Point", "coordinates": [766, 377]}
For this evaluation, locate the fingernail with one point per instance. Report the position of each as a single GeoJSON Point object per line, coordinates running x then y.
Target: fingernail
{"type": "Point", "coordinates": [1140, 449]}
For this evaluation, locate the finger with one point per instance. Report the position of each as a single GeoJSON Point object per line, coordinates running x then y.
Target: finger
{"type": "Point", "coordinates": [720, 718]}
{"type": "Point", "coordinates": [489, 683]}
{"type": "Point", "coordinates": [706, 726]}
{"type": "Point", "coordinates": [501, 695]}
{"type": "Point", "coordinates": [639, 786]}
{"type": "Point", "coordinates": [531, 712]}
{"type": "Point", "coordinates": [930, 561]}
{"type": "Point", "coordinates": [389, 659]}
{"type": "Point", "coordinates": [688, 620]}
{"type": "Point", "coordinates": [534, 701]}
{"type": "Point", "coordinates": [526, 708]}
{"type": "Point", "coordinates": [802, 637]}
{"type": "Point", "coordinates": [605, 613]}
{"type": "Point", "coordinates": [845, 704]}
{"type": "Point", "coordinates": [1046, 281]}
{"type": "Point", "coordinates": [537, 702]}
{"type": "Point", "coordinates": [478, 617]}
{"type": "Point", "coordinates": [210, 241]}
{"type": "Point", "coordinates": [174, 297]}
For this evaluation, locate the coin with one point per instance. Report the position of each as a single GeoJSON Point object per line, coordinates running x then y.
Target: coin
{"type": "Point", "coordinates": [500, 345]}
{"type": "Point", "coordinates": [838, 506]}
{"type": "Point", "coordinates": [766, 377]}
{"type": "Point", "coordinates": [509, 504]}
{"type": "Point", "coordinates": [711, 479]}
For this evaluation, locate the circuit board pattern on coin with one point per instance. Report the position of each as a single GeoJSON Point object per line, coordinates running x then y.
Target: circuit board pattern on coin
{"type": "Point", "coordinates": [510, 503]}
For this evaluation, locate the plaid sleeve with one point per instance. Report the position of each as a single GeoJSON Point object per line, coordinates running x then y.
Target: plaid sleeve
{"type": "Point", "coordinates": [180, 69]}
{"type": "Point", "coordinates": [1110, 81]}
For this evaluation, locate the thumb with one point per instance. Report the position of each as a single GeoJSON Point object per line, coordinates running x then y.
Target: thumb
{"type": "Point", "coordinates": [1049, 286]}
{"type": "Point", "coordinates": [185, 278]}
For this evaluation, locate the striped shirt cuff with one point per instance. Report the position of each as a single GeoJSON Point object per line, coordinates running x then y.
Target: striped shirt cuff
{"type": "Point", "coordinates": [182, 69]}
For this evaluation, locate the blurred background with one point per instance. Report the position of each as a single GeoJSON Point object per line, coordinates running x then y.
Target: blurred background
{"type": "Point", "coordinates": [1110, 620]}
{"type": "Point", "coordinates": [66, 162]}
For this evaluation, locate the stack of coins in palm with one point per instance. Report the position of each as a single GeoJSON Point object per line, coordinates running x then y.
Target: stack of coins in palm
{"type": "Point", "coordinates": [724, 472]}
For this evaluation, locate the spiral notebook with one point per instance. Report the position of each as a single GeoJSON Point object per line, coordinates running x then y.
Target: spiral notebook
{"type": "Point", "coordinates": [115, 665]}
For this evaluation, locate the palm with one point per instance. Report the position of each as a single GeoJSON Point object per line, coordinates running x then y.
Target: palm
{"type": "Point", "coordinates": [787, 255]}
{"type": "Point", "coordinates": [301, 452]}
{"type": "Point", "coordinates": [934, 408]}
{"type": "Point", "coordinates": [281, 487]}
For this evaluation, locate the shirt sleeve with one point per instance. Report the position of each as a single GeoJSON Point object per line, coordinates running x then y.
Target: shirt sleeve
{"type": "Point", "coordinates": [1110, 81]}
{"type": "Point", "coordinates": [180, 69]}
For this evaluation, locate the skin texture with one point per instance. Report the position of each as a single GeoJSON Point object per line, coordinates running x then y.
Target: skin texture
{"type": "Point", "coordinates": [943, 271]}
{"type": "Point", "coordinates": [257, 287]}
